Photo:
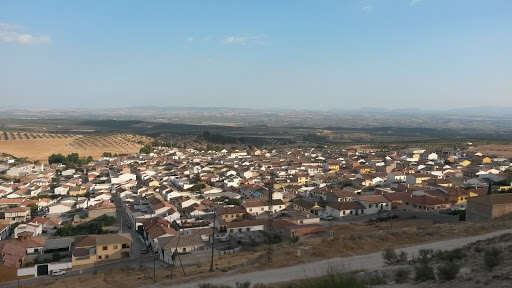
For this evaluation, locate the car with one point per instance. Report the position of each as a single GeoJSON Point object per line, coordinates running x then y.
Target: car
{"type": "Point", "coordinates": [58, 272]}
{"type": "Point", "coordinates": [223, 238]}
{"type": "Point", "coordinates": [326, 217]}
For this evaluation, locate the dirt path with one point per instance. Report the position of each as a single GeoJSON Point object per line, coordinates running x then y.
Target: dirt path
{"type": "Point", "coordinates": [367, 262]}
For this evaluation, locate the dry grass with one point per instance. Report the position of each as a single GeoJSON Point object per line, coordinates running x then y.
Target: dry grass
{"type": "Point", "coordinates": [493, 150]}
{"type": "Point", "coordinates": [39, 146]}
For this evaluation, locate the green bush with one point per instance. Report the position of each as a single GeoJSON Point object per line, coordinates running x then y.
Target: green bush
{"type": "Point", "coordinates": [334, 278]}
{"type": "Point", "coordinates": [425, 255]}
{"type": "Point", "coordinates": [392, 258]}
{"type": "Point", "coordinates": [424, 272]}
{"type": "Point", "coordinates": [450, 255]}
{"type": "Point", "coordinates": [492, 257]}
{"type": "Point", "coordinates": [402, 275]}
{"type": "Point", "coordinates": [449, 270]}
{"type": "Point", "coordinates": [56, 257]}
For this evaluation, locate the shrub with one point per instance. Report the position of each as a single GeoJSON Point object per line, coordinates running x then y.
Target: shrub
{"type": "Point", "coordinates": [424, 272]}
{"type": "Point", "coordinates": [245, 284]}
{"type": "Point", "coordinates": [448, 271]}
{"type": "Point", "coordinates": [402, 275]}
{"type": "Point", "coordinates": [375, 279]}
{"type": "Point", "coordinates": [391, 257]}
{"type": "Point", "coordinates": [425, 255]}
{"type": "Point", "coordinates": [450, 255]}
{"type": "Point", "coordinates": [334, 278]}
{"type": "Point", "coordinates": [492, 257]}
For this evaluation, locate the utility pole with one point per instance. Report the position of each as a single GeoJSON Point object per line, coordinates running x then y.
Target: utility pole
{"type": "Point", "coordinates": [213, 237]}
{"type": "Point", "coordinates": [154, 267]}
{"type": "Point", "coordinates": [270, 220]}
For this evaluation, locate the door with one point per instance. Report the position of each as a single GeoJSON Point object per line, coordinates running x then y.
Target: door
{"type": "Point", "coordinates": [42, 269]}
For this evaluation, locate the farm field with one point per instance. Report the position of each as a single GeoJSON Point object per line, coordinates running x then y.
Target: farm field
{"type": "Point", "coordinates": [493, 150]}
{"type": "Point", "coordinates": [39, 146]}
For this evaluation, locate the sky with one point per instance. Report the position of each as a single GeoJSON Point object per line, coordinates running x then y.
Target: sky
{"type": "Point", "coordinates": [346, 54]}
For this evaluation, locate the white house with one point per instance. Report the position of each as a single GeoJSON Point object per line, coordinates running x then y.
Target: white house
{"type": "Point", "coordinates": [396, 177]}
{"type": "Point", "coordinates": [346, 208]}
{"type": "Point", "coordinates": [375, 203]}
{"type": "Point", "coordinates": [35, 228]}
{"type": "Point", "coordinates": [432, 156]}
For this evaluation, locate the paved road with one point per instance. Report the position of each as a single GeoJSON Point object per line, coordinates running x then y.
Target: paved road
{"type": "Point", "coordinates": [368, 262]}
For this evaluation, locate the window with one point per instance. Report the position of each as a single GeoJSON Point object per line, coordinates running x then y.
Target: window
{"type": "Point", "coordinates": [231, 231]}
{"type": "Point", "coordinates": [370, 206]}
{"type": "Point", "coordinates": [351, 212]}
{"type": "Point", "coordinates": [344, 212]}
{"type": "Point", "coordinates": [184, 249]}
{"type": "Point", "coordinates": [106, 256]}
{"type": "Point", "coordinates": [250, 209]}
{"type": "Point", "coordinates": [99, 257]}
{"type": "Point", "coordinates": [261, 208]}
{"type": "Point", "coordinates": [115, 247]}
{"type": "Point", "coordinates": [248, 229]}
{"type": "Point", "coordinates": [105, 248]}
{"type": "Point", "coordinates": [239, 229]}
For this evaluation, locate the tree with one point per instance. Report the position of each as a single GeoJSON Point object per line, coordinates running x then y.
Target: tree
{"type": "Point", "coordinates": [33, 207]}
{"type": "Point", "coordinates": [148, 148]}
{"type": "Point", "coordinates": [56, 257]}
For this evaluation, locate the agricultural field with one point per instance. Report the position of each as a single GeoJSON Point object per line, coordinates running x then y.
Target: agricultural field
{"type": "Point", "coordinates": [39, 146]}
{"type": "Point", "coordinates": [493, 150]}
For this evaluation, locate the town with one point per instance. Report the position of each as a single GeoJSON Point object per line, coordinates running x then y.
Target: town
{"type": "Point", "coordinates": [182, 207]}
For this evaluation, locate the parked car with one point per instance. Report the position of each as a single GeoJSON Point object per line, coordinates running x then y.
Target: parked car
{"type": "Point", "coordinates": [326, 217]}
{"type": "Point", "coordinates": [58, 272]}
{"type": "Point", "coordinates": [223, 238]}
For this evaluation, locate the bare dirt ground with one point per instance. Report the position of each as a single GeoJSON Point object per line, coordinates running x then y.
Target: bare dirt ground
{"type": "Point", "coordinates": [493, 150]}
{"type": "Point", "coordinates": [348, 240]}
{"type": "Point", "coordinates": [39, 146]}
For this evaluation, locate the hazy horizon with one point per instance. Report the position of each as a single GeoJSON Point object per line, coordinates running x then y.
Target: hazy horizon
{"type": "Point", "coordinates": [321, 55]}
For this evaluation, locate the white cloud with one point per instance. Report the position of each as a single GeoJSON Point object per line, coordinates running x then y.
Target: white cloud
{"type": "Point", "coordinates": [414, 2]}
{"type": "Point", "coordinates": [9, 34]}
{"type": "Point", "coordinates": [367, 9]}
{"type": "Point", "coordinates": [259, 39]}
{"type": "Point", "coordinates": [190, 39]}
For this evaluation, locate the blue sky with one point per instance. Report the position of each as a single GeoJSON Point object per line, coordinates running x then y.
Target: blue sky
{"type": "Point", "coordinates": [431, 54]}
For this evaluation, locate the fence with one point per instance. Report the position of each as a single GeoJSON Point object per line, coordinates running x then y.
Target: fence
{"type": "Point", "coordinates": [231, 251]}
{"type": "Point", "coordinates": [32, 271]}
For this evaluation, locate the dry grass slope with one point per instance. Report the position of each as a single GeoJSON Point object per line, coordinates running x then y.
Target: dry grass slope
{"type": "Point", "coordinates": [38, 146]}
